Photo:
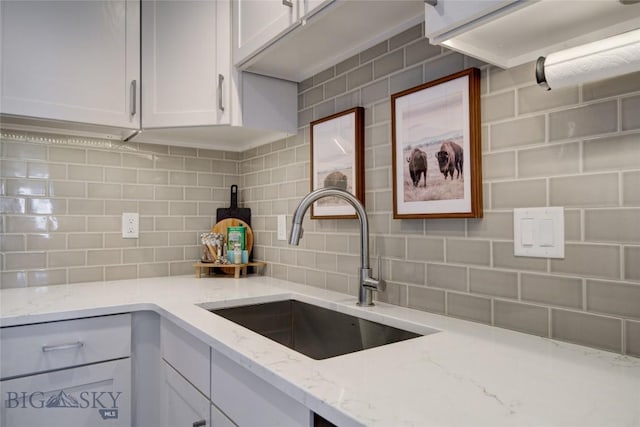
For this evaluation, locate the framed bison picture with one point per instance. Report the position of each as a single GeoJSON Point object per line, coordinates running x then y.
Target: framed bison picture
{"type": "Point", "coordinates": [337, 160]}
{"type": "Point", "coordinates": [435, 141]}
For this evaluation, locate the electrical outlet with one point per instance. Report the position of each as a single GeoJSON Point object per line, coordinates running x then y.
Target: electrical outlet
{"type": "Point", "coordinates": [130, 225]}
{"type": "Point", "coordinates": [282, 227]}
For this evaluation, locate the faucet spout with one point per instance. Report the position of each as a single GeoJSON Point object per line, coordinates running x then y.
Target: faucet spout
{"type": "Point", "coordinates": [367, 283]}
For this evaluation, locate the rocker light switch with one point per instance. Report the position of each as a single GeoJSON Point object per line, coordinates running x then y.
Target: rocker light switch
{"type": "Point", "coordinates": [538, 232]}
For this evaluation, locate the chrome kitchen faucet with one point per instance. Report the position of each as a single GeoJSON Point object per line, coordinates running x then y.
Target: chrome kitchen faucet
{"type": "Point", "coordinates": [367, 283]}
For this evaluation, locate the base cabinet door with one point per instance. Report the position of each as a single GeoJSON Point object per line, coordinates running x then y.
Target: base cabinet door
{"type": "Point", "coordinates": [251, 401]}
{"type": "Point", "coordinates": [184, 405]}
{"type": "Point", "coordinates": [92, 395]}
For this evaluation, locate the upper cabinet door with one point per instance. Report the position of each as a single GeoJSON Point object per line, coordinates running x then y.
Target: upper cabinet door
{"type": "Point", "coordinates": [71, 60]}
{"type": "Point", "coordinates": [185, 63]}
{"type": "Point", "coordinates": [256, 23]}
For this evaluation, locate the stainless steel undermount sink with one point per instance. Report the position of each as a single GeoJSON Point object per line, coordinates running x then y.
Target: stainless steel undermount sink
{"type": "Point", "coordinates": [314, 331]}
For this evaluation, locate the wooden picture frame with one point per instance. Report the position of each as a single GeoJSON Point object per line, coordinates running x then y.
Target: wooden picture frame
{"type": "Point", "coordinates": [436, 148]}
{"type": "Point", "coordinates": [337, 160]}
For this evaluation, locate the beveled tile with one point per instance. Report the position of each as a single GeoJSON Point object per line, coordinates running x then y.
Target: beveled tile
{"type": "Point", "coordinates": [584, 190]}
{"type": "Point", "coordinates": [406, 36]}
{"type": "Point", "coordinates": [630, 107]}
{"type": "Point", "coordinates": [390, 247]}
{"type": "Point", "coordinates": [552, 290]}
{"type": "Point", "coordinates": [519, 194]}
{"type": "Point", "coordinates": [420, 51]}
{"type": "Point", "coordinates": [515, 133]}
{"type": "Point", "coordinates": [66, 258]}
{"type": "Point", "coordinates": [559, 159]}
{"type": "Point", "coordinates": [444, 65]}
{"type": "Point", "coordinates": [498, 166]}
{"type": "Point", "coordinates": [359, 76]}
{"type": "Point", "coordinates": [493, 282]}
{"type": "Point", "coordinates": [503, 258]}
{"type": "Point", "coordinates": [587, 329]}
{"type": "Point", "coordinates": [67, 189]}
{"type": "Point", "coordinates": [84, 241]}
{"type": "Point", "coordinates": [494, 225]}
{"type": "Point", "coordinates": [107, 158]}
{"type": "Point", "coordinates": [611, 87]}
{"type": "Point", "coordinates": [169, 254]}
{"type": "Point", "coordinates": [153, 269]}
{"type": "Point", "coordinates": [621, 299]}
{"type": "Point", "coordinates": [612, 225]}
{"type": "Point", "coordinates": [394, 293]}
{"type": "Point", "coordinates": [582, 121]}
{"type": "Point", "coordinates": [632, 263]}
{"type": "Point", "coordinates": [589, 260]}
{"type": "Point", "coordinates": [632, 338]}
{"type": "Point", "coordinates": [500, 79]}
{"type": "Point", "coordinates": [612, 153]}
{"type": "Point", "coordinates": [388, 63]}
{"type": "Point", "coordinates": [46, 277]}
{"type": "Point", "coordinates": [121, 272]}
{"type": "Point", "coordinates": [522, 317]}
{"type": "Point", "coordinates": [469, 307]}
{"type": "Point", "coordinates": [407, 79]}
{"type": "Point", "coordinates": [426, 299]}
{"type": "Point", "coordinates": [406, 272]}
{"type": "Point", "coordinates": [25, 187]}
{"type": "Point", "coordinates": [13, 205]}
{"type": "Point", "coordinates": [122, 175]}
{"type": "Point", "coordinates": [425, 249]}
{"type": "Point", "coordinates": [104, 257]}
{"type": "Point", "coordinates": [13, 169]}
{"type": "Point", "coordinates": [67, 155]}
{"type": "Point", "coordinates": [12, 243]}
{"type": "Point", "coordinates": [104, 191]}
{"type": "Point", "coordinates": [23, 150]}
{"type": "Point", "coordinates": [447, 277]}
{"type": "Point", "coordinates": [468, 251]}
{"type": "Point", "coordinates": [374, 51]}
{"type": "Point", "coordinates": [46, 241]}
{"type": "Point", "coordinates": [13, 279]}
{"type": "Point", "coordinates": [25, 224]}
{"type": "Point", "coordinates": [498, 107]}
{"type": "Point", "coordinates": [46, 170]}
{"type": "Point", "coordinates": [86, 274]}
{"type": "Point", "coordinates": [533, 98]}
{"type": "Point", "coordinates": [85, 207]}
{"type": "Point", "coordinates": [85, 173]}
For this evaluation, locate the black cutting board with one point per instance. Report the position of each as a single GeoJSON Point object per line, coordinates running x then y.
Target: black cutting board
{"type": "Point", "coordinates": [234, 211]}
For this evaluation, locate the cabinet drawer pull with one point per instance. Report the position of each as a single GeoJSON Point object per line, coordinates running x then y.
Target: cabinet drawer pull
{"type": "Point", "coordinates": [78, 344]}
{"type": "Point", "coordinates": [288, 3]}
{"type": "Point", "coordinates": [220, 83]}
{"type": "Point", "coordinates": [200, 423]}
{"type": "Point", "coordinates": [132, 97]}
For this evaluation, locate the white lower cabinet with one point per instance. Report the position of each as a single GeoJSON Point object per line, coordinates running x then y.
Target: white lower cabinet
{"type": "Point", "coordinates": [251, 401]}
{"type": "Point", "coordinates": [91, 395]}
{"type": "Point", "coordinates": [184, 405]}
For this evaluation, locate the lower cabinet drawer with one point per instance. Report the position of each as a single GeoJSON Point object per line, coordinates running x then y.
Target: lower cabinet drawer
{"type": "Point", "coordinates": [44, 347]}
{"type": "Point", "coordinates": [92, 395]}
{"type": "Point", "coordinates": [251, 401]}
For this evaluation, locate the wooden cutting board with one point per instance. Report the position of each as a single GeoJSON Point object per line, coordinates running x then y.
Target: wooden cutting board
{"type": "Point", "coordinates": [221, 227]}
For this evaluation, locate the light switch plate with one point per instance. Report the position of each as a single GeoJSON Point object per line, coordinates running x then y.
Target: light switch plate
{"type": "Point", "coordinates": [538, 232]}
{"type": "Point", "coordinates": [282, 227]}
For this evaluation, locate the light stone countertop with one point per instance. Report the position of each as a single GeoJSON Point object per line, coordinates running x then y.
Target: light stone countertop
{"type": "Point", "coordinates": [468, 374]}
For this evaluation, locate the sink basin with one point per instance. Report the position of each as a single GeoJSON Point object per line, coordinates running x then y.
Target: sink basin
{"type": "Point", "coordinates": [316, 332]}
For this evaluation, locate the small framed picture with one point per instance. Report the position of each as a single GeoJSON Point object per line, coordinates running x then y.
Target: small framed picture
{"type": "Point", "coordinates": [435, 140]}
{"type": "Point", "coordinates": [337, 160]}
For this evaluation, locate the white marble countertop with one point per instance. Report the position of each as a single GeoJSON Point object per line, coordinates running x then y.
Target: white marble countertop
{"type": "Point", "coordinates": [466, 375]}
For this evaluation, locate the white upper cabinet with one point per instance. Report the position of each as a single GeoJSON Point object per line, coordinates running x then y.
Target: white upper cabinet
{"type": "Point", "coordinates": [258, 22]}
{"type": "Point", "coordinates": [508, 33]}
{"type": "Point", "coordinates": [75, 61]}
{"type": "Point", "coordinates": [324, 33]}
{"type": "Point", "coordinates": [185, 63]}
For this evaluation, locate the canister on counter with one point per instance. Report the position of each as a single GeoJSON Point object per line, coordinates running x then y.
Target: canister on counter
{"type": "Point", "coordinates": [236, 235]}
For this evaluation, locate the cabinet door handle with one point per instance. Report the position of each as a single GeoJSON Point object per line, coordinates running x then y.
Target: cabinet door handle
{"type": "Point", "coordinates": [220, 83]}
{"type": "Point", "coordinates": [69, 346]}
{"type": "Point", "coordinates": [200, 423]}
{"type": "Point", "coordinates": [132, 97]}
{"type": "Point", "coordinates": [287, 3]}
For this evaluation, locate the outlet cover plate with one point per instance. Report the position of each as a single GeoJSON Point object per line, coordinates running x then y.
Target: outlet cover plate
{"type": "Point", "coordinates": [130, 225]}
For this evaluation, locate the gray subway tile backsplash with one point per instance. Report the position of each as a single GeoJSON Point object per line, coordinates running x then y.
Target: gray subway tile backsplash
{"type": "Point", "coordinates": [60, 204]}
